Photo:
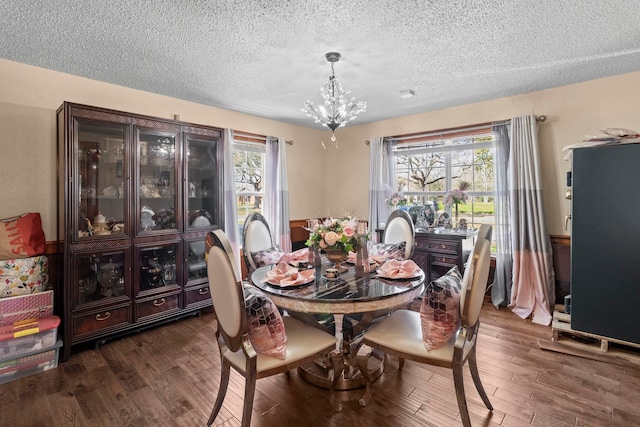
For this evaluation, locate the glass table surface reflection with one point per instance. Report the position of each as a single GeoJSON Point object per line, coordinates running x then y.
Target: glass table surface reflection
{"type": "Point", "coordinates": [361, 299]}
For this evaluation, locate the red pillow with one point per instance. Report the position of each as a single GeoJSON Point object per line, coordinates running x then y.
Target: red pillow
{"type": "Point", "coordinates": [21, 237]}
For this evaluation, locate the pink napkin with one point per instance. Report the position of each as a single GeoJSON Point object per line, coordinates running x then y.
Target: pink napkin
{"type": "Point", "coordinates": [296, 256]}
{"type": "Point", "coordinates": [285, 275]}
{"type": "Point", "coordinates": [396, 269]}
{"type": "Point", "coordinates": [373, 259]}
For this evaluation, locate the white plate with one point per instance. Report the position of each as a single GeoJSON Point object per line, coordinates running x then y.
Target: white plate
{"type": "Point", "coordinates": [146, 219]}
{"type": "Point", "coordinates": [201, 221]}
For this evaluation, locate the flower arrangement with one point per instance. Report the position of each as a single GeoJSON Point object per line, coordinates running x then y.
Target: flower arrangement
{"type": "Point", "coordinates": [335, 234]}
{"type": "Point", "coordinates": [457, 196]}
{"type": "Point", "coordinates": [397, 199]}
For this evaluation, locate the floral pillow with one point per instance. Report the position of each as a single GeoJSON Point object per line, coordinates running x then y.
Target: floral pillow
{"type": "Point", "coordinates": [266, 328]}
{"type": "Point", "coordinates": [439, 310]}
{"type": "Point", "coordinates": [267, 256]}
{"type": "Point", "coordinates": [388, 250]}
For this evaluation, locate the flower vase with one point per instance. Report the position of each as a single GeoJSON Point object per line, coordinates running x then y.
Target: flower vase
{"type": "Point", "coordinates": [336, 256]}
{"type": "Point", "coordinates": [456, 217]}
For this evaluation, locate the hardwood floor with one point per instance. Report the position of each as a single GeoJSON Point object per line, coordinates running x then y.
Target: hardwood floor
{"type": "Point", "coordinates": [168, 376]}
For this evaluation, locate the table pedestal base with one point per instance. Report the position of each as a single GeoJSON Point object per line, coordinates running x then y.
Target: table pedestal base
{"type": "Point", "coordinates": [347, 372]}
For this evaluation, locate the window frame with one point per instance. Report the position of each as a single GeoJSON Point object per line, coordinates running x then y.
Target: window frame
{"type": "Point", "coordinates": [445, 142]}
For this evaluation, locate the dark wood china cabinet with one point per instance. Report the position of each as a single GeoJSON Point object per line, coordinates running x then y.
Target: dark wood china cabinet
{"type": "Point", "coordinates": [136, 197]}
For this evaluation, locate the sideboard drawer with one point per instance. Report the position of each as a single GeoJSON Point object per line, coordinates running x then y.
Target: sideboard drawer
{"type": "Point", "coordinates": [95, 321]}
{"type": "Point", "coordinates": [156, 305]}
{"type": "Point", "coordinates": [442, 246]}
{"type": "Point", "coordinates": [444, 260]}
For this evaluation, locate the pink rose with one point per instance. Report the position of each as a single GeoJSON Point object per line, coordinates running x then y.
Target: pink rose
{"type": "Point", "coordinates": [349, 231]}
{"type": "Point", "coordinates": [331, 238]}
{"type": "Point", "coordinates": [323, 244]}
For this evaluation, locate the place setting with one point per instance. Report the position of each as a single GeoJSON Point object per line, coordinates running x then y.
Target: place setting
{"type": "Point", "coordinates": [284, 275]}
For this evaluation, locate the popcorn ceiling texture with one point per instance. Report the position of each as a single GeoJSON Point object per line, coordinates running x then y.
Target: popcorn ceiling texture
{"type": "Point", "coordinates": [266, 57]}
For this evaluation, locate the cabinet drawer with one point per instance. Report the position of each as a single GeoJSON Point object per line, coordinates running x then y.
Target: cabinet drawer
{"type": "Point", "coordinates": [197, 295]}
{"type": "Point", "coordinates": [159, 304]}
{"type": "Point", "coordinates": [443, 246]}
{"type": "Point", "coordinates": [444, 260]}
{"type": "Point", "coordinates": [107, 318]}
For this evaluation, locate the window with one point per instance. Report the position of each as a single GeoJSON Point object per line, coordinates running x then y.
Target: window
{"type": "Point", "coordinates": [428, 167]}
{"type": "Point", "coordinates": [248, 163]}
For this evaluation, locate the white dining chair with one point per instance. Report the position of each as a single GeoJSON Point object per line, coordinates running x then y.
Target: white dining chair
{"type": "Point", "coordinates": [304, 343]}
{"type": "Point", "coordinates": [400, 334]}
{"type": "Point", "coordinates": [256, 236]}
{"type": "Point", "coordinates": [400, 228]}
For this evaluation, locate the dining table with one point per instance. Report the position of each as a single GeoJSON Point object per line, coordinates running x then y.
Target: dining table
{"type": "Point", "coordinates": [355, 300]}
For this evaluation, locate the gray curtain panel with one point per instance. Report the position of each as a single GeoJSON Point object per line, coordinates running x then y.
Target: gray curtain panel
{"type": "Point", "coordinates": [533, 289]}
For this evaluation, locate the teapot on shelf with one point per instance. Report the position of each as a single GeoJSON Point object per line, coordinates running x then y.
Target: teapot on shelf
{"type": "Point", "coordinates": [100, 227]}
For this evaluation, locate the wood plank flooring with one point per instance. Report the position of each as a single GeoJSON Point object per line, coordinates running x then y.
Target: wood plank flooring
{"type": "Point", "coordinates": [168, 376]}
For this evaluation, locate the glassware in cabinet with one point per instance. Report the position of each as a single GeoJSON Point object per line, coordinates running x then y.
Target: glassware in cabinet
{"type": "Point", "coordinates": [157, 180]}
{"type": "Point", "coordinates": [102, 277]}
{"type": "Point", "coordinates": [202, 186]}
{"type": "Point", "coordinates": [101, 172]}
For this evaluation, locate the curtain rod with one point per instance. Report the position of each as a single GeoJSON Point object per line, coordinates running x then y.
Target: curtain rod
{"type": "Point", "coordinates": [448, 131]}
{"type": "Point", "coordinates": [252, 137]}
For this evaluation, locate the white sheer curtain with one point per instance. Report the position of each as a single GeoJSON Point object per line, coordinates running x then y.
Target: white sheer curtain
{"type": "Point", "coordinates": [501, 288]}
{"type": "Point", "coordinates": [381, 181]}
{"type": "Point", "coordinates": [532, 288]}
{"type": "Point", "coordinates": [276, 201]}
{"type": "Point", "coordinates": [229, 189]}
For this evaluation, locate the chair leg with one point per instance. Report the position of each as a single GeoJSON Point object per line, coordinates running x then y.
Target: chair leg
{"type": "Point", "coordinates": [473, 367]}
{"type": "Point", "coordinates": [249, 392]}
{"type": "Point", "coordinates": [222, 391]}
{"type": "Point", "coordinates": [400, 363]}
{"type": "Point", "coordinates": [462, 400]}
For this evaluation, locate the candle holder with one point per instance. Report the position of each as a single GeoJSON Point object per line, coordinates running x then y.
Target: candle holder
{"type": "Point", "coordinates": [363, 267]}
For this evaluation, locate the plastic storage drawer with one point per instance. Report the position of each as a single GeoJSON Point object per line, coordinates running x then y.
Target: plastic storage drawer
{"type": "Point", "coordinates": [27, 336]}
{"type": "Point", "coordinates": [30, 364]}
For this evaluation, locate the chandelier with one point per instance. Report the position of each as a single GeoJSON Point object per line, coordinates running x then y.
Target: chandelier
{"type": "Point", "coordinates": [337, 110]}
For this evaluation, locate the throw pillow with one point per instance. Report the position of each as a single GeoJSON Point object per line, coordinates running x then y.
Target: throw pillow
{"type": "Point", "coordinates": [22, 237]}
{"type": "Point", "coordinates": [267, 256]}
{"type": "Point", "coordinates": [388, 250]}
{"type": "Point", "coordinates": [439, 310]}
{"type": "Point", "coordinates": [266, 328]}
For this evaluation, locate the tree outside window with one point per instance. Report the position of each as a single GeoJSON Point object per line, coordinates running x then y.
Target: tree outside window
{"type": "Point", "coordinates": [426, 170]}
{"type": "Point", "coordinates": [248, 164]}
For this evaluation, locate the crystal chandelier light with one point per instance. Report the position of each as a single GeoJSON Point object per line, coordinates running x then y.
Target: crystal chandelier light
{"type": "Point", "coordinates": [337, 110]}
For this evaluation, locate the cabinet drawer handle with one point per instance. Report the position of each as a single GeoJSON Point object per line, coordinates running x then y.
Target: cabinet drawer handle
{"type": "Point", "coordinates": [203, 291]}
{"type": "Point", "coordinates": [106, 316]}
{"type": "Point", "coordinates": [159, 302]}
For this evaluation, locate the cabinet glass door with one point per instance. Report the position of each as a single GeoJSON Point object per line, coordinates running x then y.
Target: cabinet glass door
{"type": "Point", "coordinates": [101, 277]}
{"type": "Point", "coordinates": [157, 180]}
{"type": "Point", "coordinates": [196, 264]}
{"type": "Point", "coordinates": [158, 267]}
{"type": "Point", "coordinates": [100, 180]}
{"type": "Point", "coordinates": [202, 182]}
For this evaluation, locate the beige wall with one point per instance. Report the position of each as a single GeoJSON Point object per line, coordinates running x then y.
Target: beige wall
{"type": "Point", "coordinates": [321, 182]}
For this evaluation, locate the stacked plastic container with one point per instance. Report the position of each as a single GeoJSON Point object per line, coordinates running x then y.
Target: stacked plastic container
{"type": "Point", "coordinates": [28, 329]}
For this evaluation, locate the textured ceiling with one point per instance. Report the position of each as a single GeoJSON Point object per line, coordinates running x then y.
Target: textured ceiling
{"type": "Point", "coordinates": [267, 57]}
